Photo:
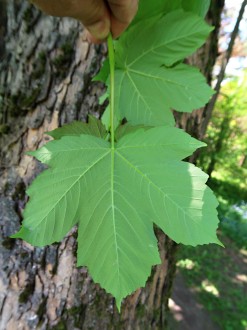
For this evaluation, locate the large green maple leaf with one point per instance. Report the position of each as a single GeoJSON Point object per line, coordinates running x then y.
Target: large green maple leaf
{"type": "Point", "coordinates": [116, 193]}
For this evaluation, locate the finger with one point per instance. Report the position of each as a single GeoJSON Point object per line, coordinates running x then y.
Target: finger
{"type": "Point", "coordinates": [94, 14]}
{"type": "Point", "coordinates": [122, 13]}
{"type": "Point", "coordinates": [91, 39]}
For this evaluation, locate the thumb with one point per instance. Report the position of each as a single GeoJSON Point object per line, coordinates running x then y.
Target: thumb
{"type": "Point", "coordinates": [95, 16]}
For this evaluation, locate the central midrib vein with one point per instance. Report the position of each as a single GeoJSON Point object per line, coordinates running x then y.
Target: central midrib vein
{"type": "Point", "coordinates": [112, 104]}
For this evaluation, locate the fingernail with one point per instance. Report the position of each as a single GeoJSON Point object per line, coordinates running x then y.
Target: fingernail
{"type": "Point", "coordinates": [91, 39]}
{"type": "Point", "coordinates": [100, 29]}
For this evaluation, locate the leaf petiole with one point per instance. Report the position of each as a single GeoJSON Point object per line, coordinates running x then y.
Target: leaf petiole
{"type": "Point", "coordinates": [112, 78]}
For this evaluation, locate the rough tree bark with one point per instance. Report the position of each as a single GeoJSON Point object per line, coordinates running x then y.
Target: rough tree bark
{"type": "Point", "coordinates": [204, 59]}
{"type": "Point", "coordinates": [45, 81]}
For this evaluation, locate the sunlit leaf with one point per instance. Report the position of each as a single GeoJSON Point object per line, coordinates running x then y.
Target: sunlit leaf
{"type": "Point", "coordinates": [116, 195]}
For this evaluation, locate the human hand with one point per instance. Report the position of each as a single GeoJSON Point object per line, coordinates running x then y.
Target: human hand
{"type": "Point", "coordinates": [100, 17]}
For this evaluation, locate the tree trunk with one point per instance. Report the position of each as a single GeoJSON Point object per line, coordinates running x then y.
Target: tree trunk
{"type": "Point", "coordinates": [45, 81]}
{"type": "Point", "coordinates": [224, 134]}
{"type": "Point", "coordinates": [204, 59]}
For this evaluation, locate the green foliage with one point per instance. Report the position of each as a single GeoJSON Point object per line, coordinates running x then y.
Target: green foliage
{"type": "Point", "coordinates": [225, 158]}
{"type": "Point", "coordinates": [116, 182]}
{"type": "Point", "coordinates": [234, 222]}
{"type": "Point", "coordinates": [230, 191]}
{"type": "Point", "coordinates": [218, 276]}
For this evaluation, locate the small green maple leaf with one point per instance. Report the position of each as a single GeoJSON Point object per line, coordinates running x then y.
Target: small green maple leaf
{"type": "Point", "coordinates": [115, 195]}
{"type": "Point", "coordinates": [93, 127]}
{"type": "Point", "coordinates": [198, 7]}
{"type": "Point", "coordinates": [147, 9]}
{"type": "Point", "coordinates": [149, 78]}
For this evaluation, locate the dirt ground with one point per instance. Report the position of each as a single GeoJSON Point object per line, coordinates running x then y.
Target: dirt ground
{"type": "Point", "coordinates": [186, 312]}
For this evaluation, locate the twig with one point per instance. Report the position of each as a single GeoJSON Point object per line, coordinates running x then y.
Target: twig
{"type": "Point", "coordinates": [210, 106]}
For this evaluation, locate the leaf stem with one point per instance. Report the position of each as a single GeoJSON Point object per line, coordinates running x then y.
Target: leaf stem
{"type": "Point", "coordinates": [112, 82]}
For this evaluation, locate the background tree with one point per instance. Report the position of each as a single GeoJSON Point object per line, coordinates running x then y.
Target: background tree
{"type": "Point", "coordinates": [45, 81]}
{"type": "Point", "coordinates": [227, 142]}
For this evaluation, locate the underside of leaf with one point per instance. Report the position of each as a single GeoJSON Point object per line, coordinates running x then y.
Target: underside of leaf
{"type": "Point", "coordinates": [117, 182]}
{"type": "Point", "coordinates": [116, 195]}
{"type": "Point", "coordinates": [150, 81]}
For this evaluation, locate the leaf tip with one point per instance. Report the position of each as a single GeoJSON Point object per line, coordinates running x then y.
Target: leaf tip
{"type": "Point", "coordinates": [18, 234]}
{"type": "Point", "coordinates": [50, 133]}
{"type": "Point", "coordinates": [199, 144]}
{"type": "Point", "coordinates": [118, 304]}
{"type": "Point", "coordinates": [218, 242]}
{"type": "Point", "coordinates": [14, 235]}
{"type": "Point", "coordinates": [31, 153]}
